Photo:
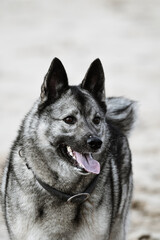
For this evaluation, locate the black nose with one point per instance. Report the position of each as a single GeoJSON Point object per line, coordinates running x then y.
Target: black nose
{"type": "Point", "coordinates": [94, 142]}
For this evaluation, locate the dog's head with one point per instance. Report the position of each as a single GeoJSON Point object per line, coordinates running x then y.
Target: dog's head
{"type": "Point", "coordinates": [73, 118]}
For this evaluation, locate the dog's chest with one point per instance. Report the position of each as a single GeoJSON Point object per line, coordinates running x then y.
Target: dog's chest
{"type": "Point", "coordinates": [87, 222]}
{"type": "Point", "coordinates": [94, 223]}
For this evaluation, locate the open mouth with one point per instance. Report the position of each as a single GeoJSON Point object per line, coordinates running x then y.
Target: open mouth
{"type": "Point", "coordinates": [84, 162]}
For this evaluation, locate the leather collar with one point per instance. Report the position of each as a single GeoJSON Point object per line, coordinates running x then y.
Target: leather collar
{"type": "Point", "coordinates": [70, 198]}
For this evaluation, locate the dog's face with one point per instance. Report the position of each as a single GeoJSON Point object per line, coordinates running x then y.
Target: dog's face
{"type": "Point", "coordinates": [72, 118]}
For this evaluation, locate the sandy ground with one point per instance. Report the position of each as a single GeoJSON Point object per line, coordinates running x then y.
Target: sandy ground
{"type": "Point", "coordinates": [125, 35]}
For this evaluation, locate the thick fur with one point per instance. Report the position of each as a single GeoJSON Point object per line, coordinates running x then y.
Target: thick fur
{"type": "Point", "coordinates": [31, 213]}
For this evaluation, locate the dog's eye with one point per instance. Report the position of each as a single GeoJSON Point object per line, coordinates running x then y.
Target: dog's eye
{"type": "Point", "coordinates": [70, 120]}
{"type": "Point", "coordinates": [96, 120]}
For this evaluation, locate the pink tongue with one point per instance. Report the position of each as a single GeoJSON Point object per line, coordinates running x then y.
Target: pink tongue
{"type": "Point", "coordinates": [88, 163]}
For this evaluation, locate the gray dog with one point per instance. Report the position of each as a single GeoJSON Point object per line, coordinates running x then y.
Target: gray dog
{"type": "Point", "coordinates": [69, 174]}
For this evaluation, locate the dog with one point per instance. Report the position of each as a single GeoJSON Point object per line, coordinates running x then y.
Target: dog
{"type": "Point", "coordinates": [69, 172]}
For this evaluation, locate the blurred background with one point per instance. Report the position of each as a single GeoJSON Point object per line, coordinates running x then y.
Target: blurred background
{"type": "Point", "coordinates": [125, 35]}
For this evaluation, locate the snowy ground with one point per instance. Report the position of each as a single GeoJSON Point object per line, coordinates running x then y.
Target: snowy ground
{"type": "Point", "coordinates": [125, 35]}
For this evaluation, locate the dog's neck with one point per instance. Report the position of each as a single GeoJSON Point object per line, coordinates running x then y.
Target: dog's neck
{"type": "Point", "coordinates": [78, 194]}
{"type": "Point", "coordinates": [70, 198]}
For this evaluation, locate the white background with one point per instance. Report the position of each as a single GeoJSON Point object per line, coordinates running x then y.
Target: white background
{"type": "Point", "coordinates": [125, 35]}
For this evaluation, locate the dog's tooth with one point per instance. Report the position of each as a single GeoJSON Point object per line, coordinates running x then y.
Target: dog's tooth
{"type": "Point", "coordinates": [71, 153]}
{"type": "Point", "coordinates": [69, 149]}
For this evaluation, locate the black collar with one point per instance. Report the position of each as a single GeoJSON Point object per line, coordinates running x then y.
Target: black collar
{"type": "Point", "coordinates": [73, 198]}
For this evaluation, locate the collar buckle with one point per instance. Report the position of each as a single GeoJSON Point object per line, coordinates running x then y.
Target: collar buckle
{"type": "Point", "coordinates": [78, 198]}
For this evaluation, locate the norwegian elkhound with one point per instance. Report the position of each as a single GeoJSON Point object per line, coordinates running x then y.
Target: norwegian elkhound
{"type": "Point", "coordinates": [69, 173]}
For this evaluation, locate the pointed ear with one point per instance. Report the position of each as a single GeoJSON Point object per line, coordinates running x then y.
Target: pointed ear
{"type": "Point", "coordinates": [55, 82]}
{"type": "Point", "coordinates": [94, 80]}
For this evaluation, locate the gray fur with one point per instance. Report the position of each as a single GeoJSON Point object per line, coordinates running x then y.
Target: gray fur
{"type": "Point", "coordinates": [121, 112]}
{"type": "Point", "coordinates": [29, 210]}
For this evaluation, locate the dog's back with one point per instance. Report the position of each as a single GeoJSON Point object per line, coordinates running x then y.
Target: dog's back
{"type": "Point", "coordinates": [69, 174]}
